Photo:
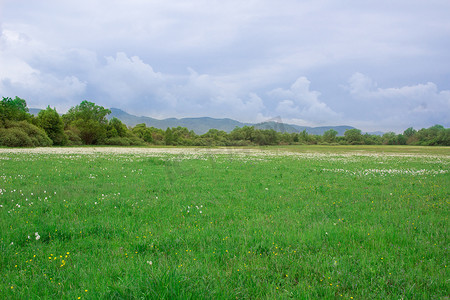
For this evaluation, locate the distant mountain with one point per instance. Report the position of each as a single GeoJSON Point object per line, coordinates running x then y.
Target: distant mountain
{"type": "Point", "coordinates": [34, 111]}
{"type": "Point", "coordinates": [199, 125]}
{"type": "Point", "coordinates": [202, 125]}
{"type": "Point", "coordinates": [277, 126]}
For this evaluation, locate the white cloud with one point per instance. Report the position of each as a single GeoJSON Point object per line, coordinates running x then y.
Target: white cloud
{"type": "Point", "coordinates": [122, 80]}
{"type": "Point", "coordinates": [204, 94]}
{"type": "Point", "coordinates": [299, 102]}
{"type": "Point", "coordinates": [361, 85]}
{"type": "Point", "coordinates": [420, 105]}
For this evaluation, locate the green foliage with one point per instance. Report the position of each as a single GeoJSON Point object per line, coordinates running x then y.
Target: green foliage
{"type": "Point", "coordinates": [389, 138]}
{"type": "Point", "coordinates": [87, 124]}
{"type": "Point", "coordinates": [14, 137]}
{"type": "Point", "coordinates": [91, 132]}
{"type": "Point", "coordinates": [179, 136]}
{"type": "Point", "coordinates": [370, 139]}
{"type": "Point", "coordinates": [436, 135]}
{"type": "Point", "coordinates": [14, 109]}
{"type": "Point", "coordinates": [90, 120]}
{"type": "Point", "coordinates": [168, 137]}
{"type": "Point", "coordinates": [116, 128]}
{"type": "Point", "coordinates": [124, 141]}
{"type": "Point", "coordinates": [142, 131]}
{"type": "Point", "coordinates": [214, 137]}
{"type": "Point", "coordinates": [150, 135]}
{"type": "Point", "coordinates": [52, 123]}
{"type": "Point", "coordinates": [246, 133]}
{"type": "Point", "coordinates": [329, 136]}
{"type": "Point", "coordinates": [73, 136]}
{"type": "Point", "coordinates": [353, 136]}
{"type": "Point", "coordinates": [304, 137]}
{"type": "Point", "coordinates": [266, 137]}
{"type": "Point", "coordinates": [409, 132]}
{"type": "Point", "coordinates": [23, 134]}
{"type": "Point", "coordinates": [87, 111]}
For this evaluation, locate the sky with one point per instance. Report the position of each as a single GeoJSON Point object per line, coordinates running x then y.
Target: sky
{"type": "Point", "coordinates": [376, 65]}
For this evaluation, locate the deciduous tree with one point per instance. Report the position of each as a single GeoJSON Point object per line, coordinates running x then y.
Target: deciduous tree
{"type": "Point", "coordinates": [52, 123]}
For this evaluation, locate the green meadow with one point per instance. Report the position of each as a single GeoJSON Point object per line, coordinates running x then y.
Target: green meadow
{"type": "Point", "coordinates": [267, 223]}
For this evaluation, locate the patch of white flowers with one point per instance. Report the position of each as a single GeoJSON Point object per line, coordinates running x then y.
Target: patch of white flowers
{"type": "Point", "coordinates": [199, 209]}
{"type": "Point", "coordinates": [36, 235]}
{"type": "Point", "coordinates": [385, 172]}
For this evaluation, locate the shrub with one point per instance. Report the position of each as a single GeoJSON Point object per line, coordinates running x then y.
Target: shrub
{"type": "Point", "coordinates": [37, 135]}
{"type": "Point", "coordinates": [14, 137]}
{"type": "Point", "coordinates": [118, 141]}
{"type": "Point", "coordinates": [136, 141]}
{"type": "Point", "coordinates": [73, 137]}
{"type": "Point", "coordinates": [125, 141]}
{"type": "Point", "coordinates": [241, 143]}
{"type": "Point", "coordinates": [24, 134]}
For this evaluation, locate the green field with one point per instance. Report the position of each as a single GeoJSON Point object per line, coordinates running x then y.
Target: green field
{"type": "Point", "coordinates": [293, 222]}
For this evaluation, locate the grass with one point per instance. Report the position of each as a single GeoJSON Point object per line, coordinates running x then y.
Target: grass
{"type": "Point", "coordinates": [319, 223]}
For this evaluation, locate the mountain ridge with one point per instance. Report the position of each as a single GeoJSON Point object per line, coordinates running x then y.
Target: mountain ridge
{"type": "Point", "coordinates": [201, 125]}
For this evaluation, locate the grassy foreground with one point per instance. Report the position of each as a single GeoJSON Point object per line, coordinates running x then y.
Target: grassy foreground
{"type": "Point", "coordinates": [207, 225]}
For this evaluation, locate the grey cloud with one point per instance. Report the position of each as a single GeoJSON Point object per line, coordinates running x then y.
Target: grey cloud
{"type": "Point", "coordinates": [246, 55]}
{"type": "Point", "coordinates": [130, 83]}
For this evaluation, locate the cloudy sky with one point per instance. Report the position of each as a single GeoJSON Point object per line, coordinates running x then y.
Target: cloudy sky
{"type": "Point", "coordinates": [376, 65]}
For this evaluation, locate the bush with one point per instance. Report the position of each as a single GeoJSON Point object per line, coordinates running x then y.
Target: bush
{"type": "Point", "coordinates": [125, 141]}
{"type": "Point", "coordinates": [136, 141]}
{"type": "Point", "coordinates": [118, 141]}
{"type": "Point", "coordinates": [23, 134]}
{"type": "Point", "coordinates": [14, 137]}
{"type": "Point", "coordinates": [37, 135]}
{"type": "Point", "coordinates": [240, 143]}
{"type": "Point", "coordinates": [73, 137]}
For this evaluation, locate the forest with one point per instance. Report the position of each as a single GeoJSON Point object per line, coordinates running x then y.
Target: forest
{"type": "Point", "coordinates": [87, 124]}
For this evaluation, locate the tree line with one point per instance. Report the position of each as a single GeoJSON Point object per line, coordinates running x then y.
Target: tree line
{"type": "Point", "coordinates": [87, 124]}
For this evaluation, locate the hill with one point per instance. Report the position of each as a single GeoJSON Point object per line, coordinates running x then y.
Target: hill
{"type": "Point", "coordinates": [202, 125]}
